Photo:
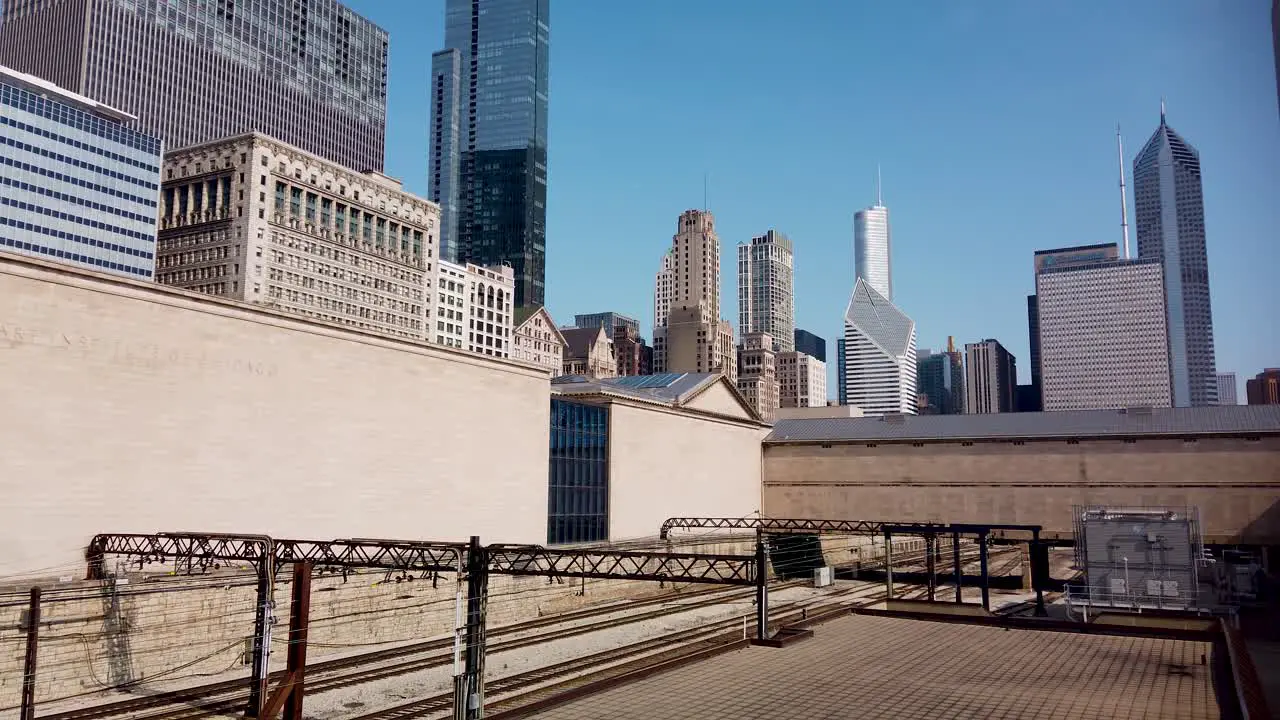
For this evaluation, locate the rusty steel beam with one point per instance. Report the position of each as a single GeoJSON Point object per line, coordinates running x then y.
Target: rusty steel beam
{"type": "Point", "coordinates": [839, 527]}
{"type": "Point", "coordinates": [588, 563]}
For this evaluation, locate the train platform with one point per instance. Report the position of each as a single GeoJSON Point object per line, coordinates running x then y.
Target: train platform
{"type": "Point", "coordinates": [882, 667]}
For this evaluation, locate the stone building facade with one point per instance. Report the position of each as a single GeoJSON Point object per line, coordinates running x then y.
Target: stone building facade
{"type": "Point", "coordinates": [254, 219]}
{"type": "Point", "coordinates": [536, 340]}
{"type": "Point", "coordinates": [483, 296]}
{"type": "Point", "coordinates": [589, 352]}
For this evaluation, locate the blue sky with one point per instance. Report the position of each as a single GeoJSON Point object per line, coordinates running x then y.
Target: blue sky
{"type": "Point", "coordinates": [994, 126]}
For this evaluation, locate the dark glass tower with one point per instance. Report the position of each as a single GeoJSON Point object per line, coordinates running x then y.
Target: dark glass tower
{"type": "Point", "coordinates": [1169, 209]}
{"type": "Point", "coordinates": [489, 137]}
{"type": "Point", "coordinates": [313, 73]}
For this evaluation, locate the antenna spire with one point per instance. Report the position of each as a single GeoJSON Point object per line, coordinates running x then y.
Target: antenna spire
{"type": "Point", "coordinates": [879, 199]}
{"type": "Point", "coordinates": [1162, 110]}
{"type": "Point", "coordinates": [1124, 209]}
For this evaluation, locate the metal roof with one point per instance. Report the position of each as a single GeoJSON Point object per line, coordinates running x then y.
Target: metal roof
{"type": "Point", "coordinates": [880, 320]}
{"type": "Point", "coordinates": [668, 388]}
{"type": "Point", "coordinates": [1237, 419]}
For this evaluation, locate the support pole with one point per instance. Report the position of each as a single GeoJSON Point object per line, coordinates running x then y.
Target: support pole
{"type": "Point", "coordinates": [986, 579]}
{"type": "Point", "coordinates": [299, 623]}
{"type": "Point", "coordinates": [762, 587]}
{"type": "Point", "coordinates": [1039, 571]}
{"type": "Point", "coordinates": [930, 541]}
{"type": "Point", "coordinates": [477, 599]}
{"type": "Point", "coordinates": [955, 558]}
{"type": "Point", "coordinates": [888, 565]}
{"type": "Point", "coordinates": [262, 622]}
{"type": "Point", "coordinates": [29, 665]}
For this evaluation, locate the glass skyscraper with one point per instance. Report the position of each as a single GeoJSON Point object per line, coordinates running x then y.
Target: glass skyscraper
{"type": "Point", "coordinates": [1169, 210]}
{"type": "Point", "coordinates": [76, 183]}
{"type": "Point", "coordinates": [313, 74]}
{"type": "Point", "coordinates": [871, 246]}
{"type": "Point", "coordinates": [766, 293]}
{"type": "Point", "coordinates": [488, 139]}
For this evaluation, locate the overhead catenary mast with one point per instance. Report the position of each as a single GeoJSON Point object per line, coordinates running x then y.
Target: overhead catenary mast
{"type": "Point", "coordinates": [1124, 207]}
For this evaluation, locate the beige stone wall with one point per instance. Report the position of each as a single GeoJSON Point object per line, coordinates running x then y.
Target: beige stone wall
{"type": "Point", "coordinates": [1234, 482]}
{"type": "Point", "coordinates": [134, 408]}
{"type": "Point", "coordinates": [667, 464]}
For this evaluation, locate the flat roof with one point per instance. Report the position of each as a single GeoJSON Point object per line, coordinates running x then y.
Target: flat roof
{"type": "Point", "coordinates": [44, 87]}
{"type": "Point", "coordinates": [875, 667]}
{"type": "Point", "coordinates": [1179, 422]}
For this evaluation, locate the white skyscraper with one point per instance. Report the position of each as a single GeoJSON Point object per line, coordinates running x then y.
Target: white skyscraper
{"type": "Point", "coordinates": [1103, 341]}
{"type": "Point", "coordinates": [879, 354]}
{"type": "Point", "coordinates": [766, 297]}
{"type": "Point", "coordinates": [871, 246]}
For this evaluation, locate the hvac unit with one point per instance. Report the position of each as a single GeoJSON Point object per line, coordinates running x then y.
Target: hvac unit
{"type": "Point", "coordinates": [822, 577]}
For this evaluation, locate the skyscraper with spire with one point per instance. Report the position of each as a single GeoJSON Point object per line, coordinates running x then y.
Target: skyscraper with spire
{"type": "Point", "coordinates": [877, 367]}
{"type": "Point", "coordinates": [871, 245]}
{"type": "Point", "coordinates": [1169, 213]}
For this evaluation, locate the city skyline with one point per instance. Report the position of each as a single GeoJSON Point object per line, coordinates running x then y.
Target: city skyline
{"type": "Point", "coordinates": [954, 225]}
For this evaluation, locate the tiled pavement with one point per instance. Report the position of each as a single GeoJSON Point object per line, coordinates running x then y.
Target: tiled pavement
{"type": "Point", "coordinates": [866, 667]}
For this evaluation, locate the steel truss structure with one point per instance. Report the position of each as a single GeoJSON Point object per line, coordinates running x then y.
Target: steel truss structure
{"type": "Point", "coordinates": [201, 552]}
{"type": "Point", "coordinates": [835, 527]}
{"type": "Point", "coordinates": [628, 565]}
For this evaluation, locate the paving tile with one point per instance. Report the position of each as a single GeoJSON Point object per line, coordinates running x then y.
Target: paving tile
{"type": "Point", "coordinates": [867, 667]}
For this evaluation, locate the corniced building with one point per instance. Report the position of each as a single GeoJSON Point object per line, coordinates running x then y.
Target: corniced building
{"type": "Point", "coordinates": [633, 355]}
{"type": "Point", "coordinates": [990, 378]}
{"type": "Point", "coordinates": [1102, 330]}
{"type": "Point", "coordinates": [536, 340]}
{"type": "Point", "coordinates": [312, 74]}
{"type": "Point", "coordinates": [255, 219]}
{"type": "Point", "coordinates": [77, 184]}
{"type": "Point", "coordinates": [488, 137]}
{"type": "Point", "coordinates": [688, 333]}
{"type": "Point", "coordinates": [766, 293]}
{"type": "Point", "coordinates": [1169, 209]}
{"type": "Point", "coordinates": [758, 373]}
{"type": "Point", "coordinates": [482, 298]}
{"type": "Point", "coordinates": [802, 380]}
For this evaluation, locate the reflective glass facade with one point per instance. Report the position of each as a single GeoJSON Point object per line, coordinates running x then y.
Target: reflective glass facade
{"type": "Point", "coordinates": [498, 180]}
{"type": "Point", "coordinates": [578, 493]}
{"type": "Point", "coordinates": [311, 73]}
{"type": "Point", "coordinates": [1169, 209]}
{"type": "Point", "coordinates": [75, 186]}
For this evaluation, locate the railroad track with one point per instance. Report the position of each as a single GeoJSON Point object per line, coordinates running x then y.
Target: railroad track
{"type": "Point", "coordinates": [230, 695]}
{"type": "Point", "coordinates": [531, 686]}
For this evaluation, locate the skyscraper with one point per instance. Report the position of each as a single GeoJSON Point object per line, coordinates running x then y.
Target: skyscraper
{"type": "Point", "coordinates": [758, 373]}
{"type": "Point", "coordinates": [766, 297]}
{"type": "Point", "coordinates": [990, 378]}
{"type": "Point", "coordinates": [1227, 389]}
{"type": "Point", "coordinates": [77, 185]}
{"type": "Point", "coordinates": [313, 75]}
{"type": "Point", "coordinates": [488, 139]}
{"type": "Point", "coordinates": [811, 345]}
{"type": "Point", "coordinates": [940, 378]}
{"type": "Point", "coordinates": [871, 246]}
{"type": "Point", "coordinates": [1102, 330]}
{"type": "Point", "coordinates": [1169, 209]}
{"type": "Point", "coordinates": [688, 333]}
{"type": "Point", "coordinates": [879, 373]}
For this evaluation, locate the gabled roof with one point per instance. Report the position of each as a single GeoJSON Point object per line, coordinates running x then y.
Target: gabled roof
{"type": "Point", "coordinates": [526, 314]}
{"type": "Point", "coordinates": [578, 341]}
{"type": "Point", "coordinates": [1177, 422]}
{"type": "Point", "coordinates": [680, 390]}
{"type": "Point", "coordinates": [1183, 152]}
{"type": "Point", "coordinates": [880, 320]}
